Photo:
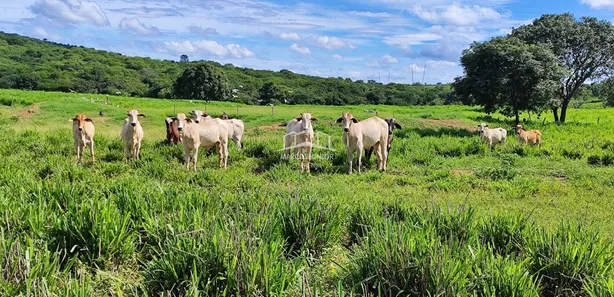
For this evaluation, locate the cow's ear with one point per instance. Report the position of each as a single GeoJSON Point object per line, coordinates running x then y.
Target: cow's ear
{"type": "Point", "coordinates": [299, 119]}
{"type": "Point", "coordinates": [174, 118]}
{"type": "Point", "coordinates": [141, 115]}
{"type": "Point", "coordinates": [397, 125]}
{"type": "Point", "coordinates": [314, 119]}
{"type": "Point", "coordinates": [339, 120]}
{"type": "Point", "coordinates": [486, 126]}
{"type": "Point", "coordinates": [354, 120]}
{"type": "Point", "coordinates": [188, 120]}
{"type": "Point", "coordinates": [89, 120]}
{"type": "Point", "coordinates": [73, 119]}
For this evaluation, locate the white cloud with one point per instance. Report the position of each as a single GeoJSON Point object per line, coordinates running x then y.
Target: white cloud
{"type": "Point", "coordinates": [331, 43]}
{"type": "Point", "coordinates": [415, 68]}
{"type": "Point", "coordinates": [71, 11]}
{"type": "Point", "coordinates": [407, 40]}
{"type": "Point", "coordinates": [599, 3]}
{"type": "Point", "coordinates": [384, 62]}
{"type": "Point", "coordinates": [208, 47]}
{"type": "Point", "coordinates": [369, 14]}
{"type": "Point", "coordinates": [300, 49]}
{"type": "Point", "coordinates": [290, 36]}
{"type": "Point", "coordinates": [342, 58]}
{"type": "Point", "coordinates": [440, 63]}
{"type": "Point", "coordinates": [202, 31]}
{"type": "Point", "coordinates": [456, 14]}
{"type": "Point", "coordinates": [354, 74]}
{"type": "Point", "coordinates": [40, 32]}
{"type": "Point", "coordinates": [135, 26]}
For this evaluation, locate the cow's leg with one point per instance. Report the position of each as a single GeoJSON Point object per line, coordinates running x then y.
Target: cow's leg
{"type": "Point", "coordinates": [195, 157]}
{"type": "Point", "coordinates": [379, 156]}
{"type": "Point", "coordinates": [383, 148]}
{"type": "Point", "coordinates": [225, 148]}
{"type": "Point", "coordinates": [359, 157]}
{"type": "Point", "coordinates": [127, 152]}
{"type": "Point", "coordinates": [92, 150]}
{"type": "Point", "coordinates": [309, 149]}
{"type": "Point", "coordinates": [186, 156]}
{"type": "Point", "coordinates": [138, 151]}
{"type": "Point", "coordinates": [78, 150]}
{"type": "Point", "coordinates": [287, 143]}
{"type": "Point", "coordinates": [350, 157]}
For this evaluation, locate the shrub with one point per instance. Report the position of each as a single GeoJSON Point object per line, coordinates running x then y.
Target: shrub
{"type": "Point", "coordinates": [566, 259]}
{"type": "Point", "coordinates": [308, 225]}
{"type": "Point", "coordinates": [504, 235]}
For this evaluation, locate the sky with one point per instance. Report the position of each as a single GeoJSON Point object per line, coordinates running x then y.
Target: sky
{"type": "Point", "coordinates": [401, 41]}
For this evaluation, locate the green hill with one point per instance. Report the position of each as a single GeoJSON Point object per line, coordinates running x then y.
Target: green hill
{"type": "Point", "coordinates": [32, 64]}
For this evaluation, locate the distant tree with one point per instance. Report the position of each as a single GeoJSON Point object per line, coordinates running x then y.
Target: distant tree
{"type": "Point", "coordinates": [269, 93]}
{"type": "Point", "coordinates": [184, 59]}
{"type": "Point", "coordinates": [508, 75]}
{"type": "Point", "coordinates": [584, 48]}
{"type": "Point", "coordinates": [605, 91]}
{"type": "Point", "coordinates": [202, 81]}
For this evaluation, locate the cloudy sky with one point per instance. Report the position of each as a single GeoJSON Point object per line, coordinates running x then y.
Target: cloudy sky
{"type": "Point", "coordinates": [360, 39]}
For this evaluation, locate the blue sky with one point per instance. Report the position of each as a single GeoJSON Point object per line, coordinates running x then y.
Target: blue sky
{"type": "Point", "coordinates": [384, 40]}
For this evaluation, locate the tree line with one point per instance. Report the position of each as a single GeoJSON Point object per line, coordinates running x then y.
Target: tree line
{"type": "Point", "coordinates": [32, 64]}
{"type": "Point", "coordinates": [542, 66]}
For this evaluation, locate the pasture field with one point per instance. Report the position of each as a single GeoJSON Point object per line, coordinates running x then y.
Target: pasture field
{"type": "Point", "coordinates": [449, 218]}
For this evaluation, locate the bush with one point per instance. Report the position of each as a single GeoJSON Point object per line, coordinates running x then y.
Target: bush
{"type": "Point", "coordinates": [308, 225]}
{"type": "Point", "coordinates": [566, 259]}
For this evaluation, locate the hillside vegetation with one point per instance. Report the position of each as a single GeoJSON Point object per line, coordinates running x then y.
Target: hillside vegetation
{"type": "Point", "coordinates": [449, 218]}
{"type": "Point", "coordinates": [32, 64]}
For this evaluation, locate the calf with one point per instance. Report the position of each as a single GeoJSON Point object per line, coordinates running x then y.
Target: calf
{"type": "Point", "coordinates": [132, 135]}
{"type": "Point", "coordinates": [172, 133]}
{"type": "Point", "coordinates": [299, 131]}
{"type": "Point", "coordinates": [492, 137]}
{"type": "Point", "coordinates": [392, 124]}
{"type": "Point", "coordinates": [372, 132]}
{"type": "Point", "coordinates": [205, 134]}
{"type": "Point", "coordinates": [83, 133]}
{"type": "Point", "coordinates": [533, 137]}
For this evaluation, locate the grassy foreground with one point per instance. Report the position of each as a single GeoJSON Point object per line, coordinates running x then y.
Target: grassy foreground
{"type": "Point", "coordinates": [450, 218]}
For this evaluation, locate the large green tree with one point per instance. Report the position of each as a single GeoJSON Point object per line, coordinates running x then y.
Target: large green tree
{"type": "Point", "coordinates": [508, 75]}
{"type": "Point", "coordinates": [584, 48]}
{"type": "Point", "coordinates": [202, 81]}
{"type": "Point", "coordinates": [269, 93]}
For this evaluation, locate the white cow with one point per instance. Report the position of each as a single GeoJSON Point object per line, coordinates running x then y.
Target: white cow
{"type": "Point", "coordinates": [206, 134]}
{"type": "Point", "coordinates": [372, 132]}
{"type": "Point", "coordinates": [83, 133]}
{"type": "Point", "coordinates": [299, 131]}
{"type": "Point", "coordinates": [132, 135]}
{"type": "Point", "coordinates": [237, 128]}
{"type": "Point", "coordinates": [200, 116]}
{"type": "Point", "coordinates": [492, 137]}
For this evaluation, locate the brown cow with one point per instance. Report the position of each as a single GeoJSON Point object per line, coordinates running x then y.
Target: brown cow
{"type": "Point", "coordinates": [533, 137]}
{"type": "Point", "coordinates": [172, 133]}
{"type": "Point", "coordinates": [83, 133]}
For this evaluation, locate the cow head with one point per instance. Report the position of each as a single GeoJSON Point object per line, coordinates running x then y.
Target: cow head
{"type": "Point", "coordinates": [80, 120]}
{"type": "Point", "coordinates": [346, 120]}
{"type": "Point", "coordinates": [482, 127]}
{"type": "Point", "coordinates": [181, 120]}
{"type": "Point", "coordinates": [305, 120]}
{"type": "Point", "coordinates": [392, 124]}
{"type": "Point", "coordinates": [199, 116]}
{"type": "Point", "coordinates": [133, 117]}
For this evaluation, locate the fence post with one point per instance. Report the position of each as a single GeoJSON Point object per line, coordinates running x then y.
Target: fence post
{"type": "Point", "coordinates": [598, 120]}
{"type": "Point", "coordinates": [237, 111]}
{"type": "Point", "coordinates": [272, 109]}
{"type": "Point", "coordinates": [174, 108]}
{"type": "Point", "coordinates": [107, 100]}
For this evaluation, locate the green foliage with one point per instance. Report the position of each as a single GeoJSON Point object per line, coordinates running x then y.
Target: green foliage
{"type": "Point", "coordinates": [583, 48]}
{"type": "Point", "coordinates": [32, 64]}
{"type": "Point", "coordinates": [505, 74]}
{"type": "Point", "coordinates": [202, 81]}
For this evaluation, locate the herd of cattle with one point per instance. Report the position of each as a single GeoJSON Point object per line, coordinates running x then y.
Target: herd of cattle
{"type": "Point", "coordinates": [201, 130]}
